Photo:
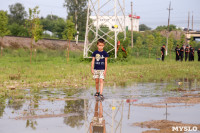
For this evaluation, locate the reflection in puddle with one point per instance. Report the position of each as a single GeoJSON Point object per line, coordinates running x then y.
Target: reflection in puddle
{"type": "Point", "coordinates": [98, 122]}
{"type": "Point", "coordinates": [125, 110]}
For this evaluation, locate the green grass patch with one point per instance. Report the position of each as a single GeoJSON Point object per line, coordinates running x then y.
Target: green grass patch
{"type": "Point", "coordinates": [50, 68]}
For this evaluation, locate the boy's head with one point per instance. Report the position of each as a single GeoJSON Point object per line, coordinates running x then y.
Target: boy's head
{"type": "Point", "coordinates": [177, 45]}
{"type": "Point", "coordinates": [100, 44]}
{"type": "Point", "coordinates": [164, 46]}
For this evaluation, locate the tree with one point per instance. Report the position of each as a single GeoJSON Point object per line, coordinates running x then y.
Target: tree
{"type": "Point", "coordinates": [182, 40]}
{"type": "Point", "coordinates": [77, 9]}
{"type": "Point", "coordinates": [69, 32]}
{"type": "Point", "coordinates": [192, 42]}
{"type": "Point", "coordinates": [158, 42]}
{"type": "Point", "coordinates": [138, 44]}
{"type": "Point", "coordinates": [54, 24]}
{"type": "Point", "coordinates": [35, 29]}
{"type": "Point", "coordinates": [164, 27]}
{"type": "Point", "coordinates": [150, 42]}
{"type": "Point", "coordinates": [143, 27]}
{"type": "Point", "coordinates": [170, 44]}
{"type": "Point", "coordinates": [17, 14]}
{"type": "Point", "coordinates": [3, 27]}
{"type": "Point", "coordinates": [18, 30]}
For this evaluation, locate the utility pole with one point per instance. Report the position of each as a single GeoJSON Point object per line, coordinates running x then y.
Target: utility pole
{"type": "Point", "coordinates": [132, 24]}
{"type": "Point", "coordinates": [192, 21]}
{"type": "Point", "coordinates": [76, 26]}
{"type": "Point", "coordinates": [168, 24]}
{"type": "Point", "coordinates": [188, 22]}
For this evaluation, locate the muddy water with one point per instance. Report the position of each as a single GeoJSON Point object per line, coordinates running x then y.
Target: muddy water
{"type": "Point", "coordinates": [52, 111]}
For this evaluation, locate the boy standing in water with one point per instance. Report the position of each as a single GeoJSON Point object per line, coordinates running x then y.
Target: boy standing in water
{"type": "Point", "coordinates": [99, 66]}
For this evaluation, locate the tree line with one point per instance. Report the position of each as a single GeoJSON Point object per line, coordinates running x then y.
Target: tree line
{"type": "Point", "coordinates": [20, 23]}
{"type": "Point", "coordinates": [17, 17]}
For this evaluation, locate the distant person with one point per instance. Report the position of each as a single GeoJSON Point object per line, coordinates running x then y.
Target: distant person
{"type": "Point", "coordinates": [198, 53]}
{"type": "Point", "coordinates": [191, 54]}
{"type": "Point", "coordinates": [98, 122]}
{"type": "Point", "coordinates": [186, 52]}
{"type": "Point", "coordinates": [182, 52]}
{"type": "Point", "coordinates": [99, 67]}
{"type": "Point", "coordinates": [163, 52]}
{"type": "Point", "coordinates": [177, 50]}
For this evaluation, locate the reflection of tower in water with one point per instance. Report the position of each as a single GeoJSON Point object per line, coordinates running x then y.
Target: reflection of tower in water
{"type": "Point", "coordinates": [104, 116]}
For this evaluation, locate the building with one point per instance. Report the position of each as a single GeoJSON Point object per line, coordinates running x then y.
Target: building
{"type": "Point", "coordinates": [109, 21]}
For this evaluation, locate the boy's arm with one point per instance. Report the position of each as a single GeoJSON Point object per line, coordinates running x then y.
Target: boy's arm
{"type": "Point", "coordinates": [105, 66]}
{"type": "Point", "coordinates": [92, 65]}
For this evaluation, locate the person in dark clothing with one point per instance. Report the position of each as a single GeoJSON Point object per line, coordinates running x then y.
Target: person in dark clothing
{"type": "Point", "coordinates": [163, 52]}
{"type": "Point", "coordinates": [198, 53]}
{"type": "Point", "coordinates": [186, 52]}
{"type": "Point", "coordinates": [191, 55]}
{"type": "Point", "coordinates": [177, 50]}
{"type": "Point", "coordinates": [181, 52]}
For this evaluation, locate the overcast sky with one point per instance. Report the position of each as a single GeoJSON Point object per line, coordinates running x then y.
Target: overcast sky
{"type": "Point", "coordinates": [152, 12]}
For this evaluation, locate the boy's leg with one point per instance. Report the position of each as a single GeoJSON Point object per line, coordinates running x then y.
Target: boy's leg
{"type": "Point", "coordinates": [96, 112]}
{"type": "Point", "coordinates": [100, 110]}
{"type": "Point", "coordinates": [97, 84]}
{"type": "Point", "coordinates": [101, 86]}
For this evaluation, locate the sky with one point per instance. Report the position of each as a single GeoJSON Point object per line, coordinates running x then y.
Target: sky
{"type": "Point", "coordinates": [152, 12]}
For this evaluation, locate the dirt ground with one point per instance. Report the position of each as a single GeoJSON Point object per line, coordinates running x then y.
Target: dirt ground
{"type": "Point", "coordinates": [163, 126]}
{"type": "Point", "coordinates": [187, 99]}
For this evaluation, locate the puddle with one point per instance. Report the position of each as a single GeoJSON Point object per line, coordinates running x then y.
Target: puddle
{"type": "Point", "coordinates": [123, 110]}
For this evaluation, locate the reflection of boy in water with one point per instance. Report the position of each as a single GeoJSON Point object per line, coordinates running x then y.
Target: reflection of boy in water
{"type": "Point", "coordinates": [98, 123]}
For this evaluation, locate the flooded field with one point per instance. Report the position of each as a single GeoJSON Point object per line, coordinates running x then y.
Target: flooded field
{"type": "Point", "coordinates": [142, 107]}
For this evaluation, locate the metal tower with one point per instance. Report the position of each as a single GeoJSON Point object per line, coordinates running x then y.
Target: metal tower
{"type": "Point", "coordinates": [111, 12]}
{"type": "Point", "coordinates": [113, 115]}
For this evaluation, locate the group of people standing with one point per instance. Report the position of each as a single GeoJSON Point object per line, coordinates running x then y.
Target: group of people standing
{"type": "Point", "coordinates": [189, 52]}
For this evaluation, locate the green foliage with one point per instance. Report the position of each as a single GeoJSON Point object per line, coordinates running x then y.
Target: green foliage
{"type": "Point", "coordinates": [3, 24]}
{"type": "Point", "coordinates": [138, 44]}
{"type": "Point", "coordinates": [18, 30]}
{"type": "Point", "coordinates": [150, 42]}
{"type": "Point", "coordinates": [54, 24]}
{"type": "Point", "coordinates": [79, 8]}
{"type": "Point", "coordinates": [102, 30]}
{"type": "Point", "coordinates": [164, 27]}
{"type": "Point", "coordinates": [34, 23]}
{"type": "Point", "coordinates": [143, 27]}
{"type": "Point", "coordinates": [182, 41]}
{"type": "Point", "coordinates": [69, 31]}
{"type": "Point", "coordinates": [170, 43]}
{"type": "Point", "coordinates": [192, 42]}
{"type": "Point", "coordinates": [17, 14]}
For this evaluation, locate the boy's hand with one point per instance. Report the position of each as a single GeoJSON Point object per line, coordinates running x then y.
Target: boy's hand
{"type": "Point", "coordinates": [92, 71]}
{"type": "Point", "coordinates": [104, 73]}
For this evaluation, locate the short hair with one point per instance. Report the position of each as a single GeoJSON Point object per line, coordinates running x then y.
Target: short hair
{"type": "Point", "coordinates": [177, 45]}
{"type": "Point", "coordinates": [101, 41]}
{"type": "Point", "coordinates": [163, 44]}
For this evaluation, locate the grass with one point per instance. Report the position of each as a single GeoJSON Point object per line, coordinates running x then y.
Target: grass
{"type": "Point", "coordinates": [50, 69]}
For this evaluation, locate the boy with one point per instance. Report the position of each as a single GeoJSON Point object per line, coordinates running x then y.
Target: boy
{"type": "Point", "coordinates": [99, 66]}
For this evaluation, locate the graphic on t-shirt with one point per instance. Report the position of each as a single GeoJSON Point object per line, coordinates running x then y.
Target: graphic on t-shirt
{"type": "Point", "coordinates": [98, 57]}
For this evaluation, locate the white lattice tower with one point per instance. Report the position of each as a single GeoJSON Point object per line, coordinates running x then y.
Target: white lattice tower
{"type": "Point", "coordinates": [108, 10]}
{"type": "Point", "coordinates": [113, 117]}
